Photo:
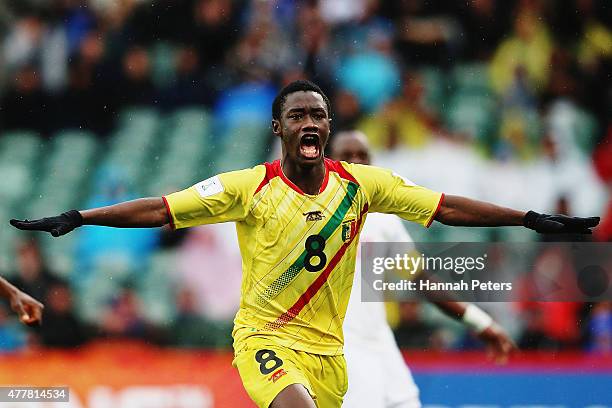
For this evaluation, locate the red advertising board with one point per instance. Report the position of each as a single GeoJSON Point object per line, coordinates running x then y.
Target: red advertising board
{"type": "Point", "coordinates": [137, 375]}
{"type": "Point", "coordinates": [134, 375]}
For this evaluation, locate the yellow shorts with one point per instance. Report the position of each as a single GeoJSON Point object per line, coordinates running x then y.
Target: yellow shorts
{"type": "Point", "coordinates": [266, 370]}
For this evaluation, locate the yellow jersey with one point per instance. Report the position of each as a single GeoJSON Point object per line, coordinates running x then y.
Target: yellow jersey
{"type": "Point", "coordinates": [298, 250]}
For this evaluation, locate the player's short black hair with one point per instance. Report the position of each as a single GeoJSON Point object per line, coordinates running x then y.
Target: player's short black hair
{"type": "Point", "coordinates": [301, 85]}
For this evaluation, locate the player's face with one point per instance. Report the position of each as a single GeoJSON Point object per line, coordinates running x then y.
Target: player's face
{"type": "Point", "coordinates": [303, 127]}
{"type": "Point", "coordinates": [351, 149]}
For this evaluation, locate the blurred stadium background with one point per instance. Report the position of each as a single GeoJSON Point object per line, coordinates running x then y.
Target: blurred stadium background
{"type": "Point", "coordinates": [107, 100]}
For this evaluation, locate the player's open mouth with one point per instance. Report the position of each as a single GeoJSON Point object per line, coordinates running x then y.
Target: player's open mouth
{"type": "Point", "coordinates": [309, 146]}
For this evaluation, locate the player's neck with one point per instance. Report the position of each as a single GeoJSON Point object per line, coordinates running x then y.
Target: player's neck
{"type": "Point", "coordinates": [308, 178]}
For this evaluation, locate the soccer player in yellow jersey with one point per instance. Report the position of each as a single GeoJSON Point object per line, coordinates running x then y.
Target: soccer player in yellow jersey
{"type": "Point", "coordinates": [298, 222]}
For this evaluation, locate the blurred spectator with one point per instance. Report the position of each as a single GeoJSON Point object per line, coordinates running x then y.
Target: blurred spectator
{"type": "Point", "coordinates": [81, 105]}
{"type": "Point", "coordinates": [78, 20]}
{"type": "Point", "coordinates": [153, 21]}
{"type": "Point", "coordinates": [61, 327]}
{"type": "Point", "coordinates": [523, 60]}
{"type": "Point", "coordinates": [263, 52]}
{"type": "Point", "coordinates": [343, 11]}
{"type": "Point", "coordinates": [248, 102]}
{"type": "Point", "coordinates": [483, 25]}
{"type": "Point", "coordinates": [412, 332]}
{"type": "Point", "coordinates": [346, 111]}
{"type": "Point", "coordinates": [550, 325]}
{"type": "Point", "coordinates": [314, 52]}
{"type": "Point", "coordinates": [595, 59]}
{"type": "Point", "coordinates": [26, 105]}
{"type": "Point", "coordinates": [191, 329]}
{"type": "Point", "coordinates": [189, 86]}
{"type": "Point", "coordinates": [33, 277]}
{"type": "Point", "coordinates": [563, 77]}
{"type": "Point", "coordinates": [123, 317]}
{"type": "Point", "coordinates": [216, 28]}
{"type": "Point", "coordinates": [86, 102]}
{"type": "Point", "coordinates": [426, 32]}
{"type": "Point", "coordinates": [23, 43]}
{"type": "Point", "coordinates": [136, 86]}
{"type": "Point", "coordinates": [371, 74]}
{"type": "Point", "coordinates": [569, 136]}
{"type": "Point", "coordinates": [404, 121]}
{"type": "Point", "coordinates": [210, 265]}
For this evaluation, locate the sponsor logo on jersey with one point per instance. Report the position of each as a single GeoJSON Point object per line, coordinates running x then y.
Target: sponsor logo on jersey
{"type": "Point", "coordinates": [349, 229]}
{"type": "Point", "coordinates": [209, 187]}
{"type": "Point", "coordinates": [314, 215]}
{"type": "Point", "coordinates": [277, 375]}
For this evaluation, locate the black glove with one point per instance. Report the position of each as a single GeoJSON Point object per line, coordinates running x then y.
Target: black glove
{"type": "Point", "coordinates": [560, 224]}
{"type": "Point", "coordinates": [59, 225]}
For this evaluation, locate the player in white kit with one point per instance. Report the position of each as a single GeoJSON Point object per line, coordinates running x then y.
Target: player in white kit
{"type": "Point", "coordinates": [378, 376]}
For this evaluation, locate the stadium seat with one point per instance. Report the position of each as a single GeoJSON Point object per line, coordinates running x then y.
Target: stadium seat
{"type": "Point", "coordinates": [162, 58]}
{"type": "Point", "coordinates": [243, 147]}
{"type": "Point", "coordinates": [62, 185]}
{"type": "Point", "coordinates": [19, 152]}
{"type": "Point", "coordinates": [64, 173]}
{"type": "Point", "coordinates": [183, 151]}
{"type": "Point", "coordinates": [132, 143]}
{"type": "Point", "coordinates": [20, 146]}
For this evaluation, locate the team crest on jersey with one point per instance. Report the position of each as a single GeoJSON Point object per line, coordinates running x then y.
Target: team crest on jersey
{"type": "Point", "coordinates": [314, 215]}
{"type": "Point", "coordinates": [349, 230]}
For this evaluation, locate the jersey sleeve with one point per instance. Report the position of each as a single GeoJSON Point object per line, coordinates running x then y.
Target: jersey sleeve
{"type": "Point", "coordinates": [222, 198]}
{"type": "Point", "coordinates": [390, 193]}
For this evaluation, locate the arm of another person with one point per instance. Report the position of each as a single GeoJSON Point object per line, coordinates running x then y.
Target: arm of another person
{"type": "Point", "coordinates": [28, 308]}
{"type": "Point", "coordinates": [499, 344]}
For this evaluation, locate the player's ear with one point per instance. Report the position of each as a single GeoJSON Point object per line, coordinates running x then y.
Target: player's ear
{"type": "Point", "coordinates": [276, 127]}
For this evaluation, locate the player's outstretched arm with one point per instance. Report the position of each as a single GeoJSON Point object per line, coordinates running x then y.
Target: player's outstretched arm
{"type": "Point", "coordinates": [28, 308]}
{"type": "Point", "coordinates": [143, 212]}
{"type": "Point", "coordinates": [462, 211]}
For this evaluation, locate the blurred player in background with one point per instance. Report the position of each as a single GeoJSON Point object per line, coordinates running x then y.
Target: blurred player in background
{"type": "Point", "coordinates": [378, 375]}
{"type": "Point", "coordinates": [28, 308]}
{"type": "Point", "coordinates": [298, 221]}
